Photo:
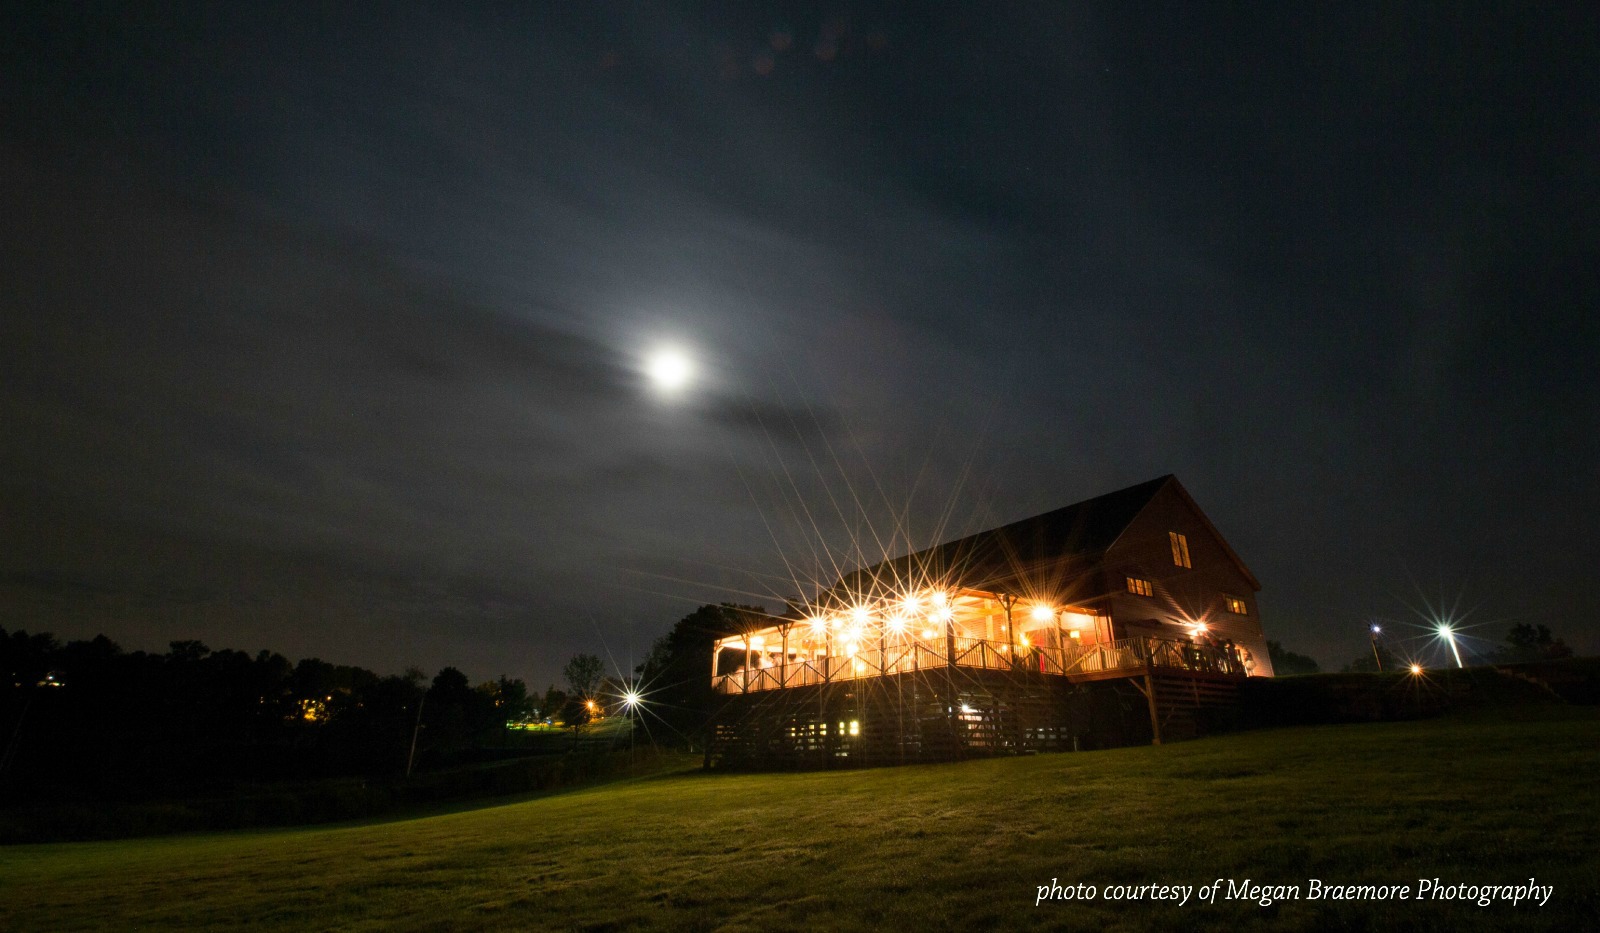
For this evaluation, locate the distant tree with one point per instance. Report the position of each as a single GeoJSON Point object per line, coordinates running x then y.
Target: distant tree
{"type": "Point", "coordinates": [552, 702]}
{"type": "Point", "coordinates": [1525, 642]}
{"type": "Point", "coordinates": [575, 711]}
{"type": "Point", "coordinates": [455, 715]}
{"type": "Point", "coordinates": [1367, 662]}
{"type": "Point", "coordinates": [583, 674]}
{"type": "Point", "coordinates": [449, 686]}
{"type": "Point", "coordinates": [184, 651]}
{"type": "Point", "coordinates": [1289, 663]}
{"type": "Point", "coordinates": [509, 699]}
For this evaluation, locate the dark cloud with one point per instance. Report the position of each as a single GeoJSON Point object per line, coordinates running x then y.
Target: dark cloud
{"type": "Point", "coordinates": [361, 300]}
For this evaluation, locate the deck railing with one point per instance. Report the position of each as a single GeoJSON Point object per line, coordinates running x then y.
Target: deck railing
{"type": "Point", "coordinates": [1128, 654]}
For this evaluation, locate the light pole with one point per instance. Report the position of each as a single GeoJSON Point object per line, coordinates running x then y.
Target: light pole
{"type": "Point", "coordinates": [630, 702]}
{"type": "Point", "coordinates": [1450, 636]}
{"type": "Point", "coordinates": [1376, 656]}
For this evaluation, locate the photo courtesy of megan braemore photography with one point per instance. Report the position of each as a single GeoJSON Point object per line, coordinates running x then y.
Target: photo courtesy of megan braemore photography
{"type": "Point", "coordinates": [1314, 889]}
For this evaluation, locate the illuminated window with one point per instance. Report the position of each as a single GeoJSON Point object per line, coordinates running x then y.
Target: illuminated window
{"type": "Point", "coordinates": [1236, 605]}
{"type": "Point", "coordinates": [1140, 587]}
{"type": "Point", "coordinates": [1180, 549]}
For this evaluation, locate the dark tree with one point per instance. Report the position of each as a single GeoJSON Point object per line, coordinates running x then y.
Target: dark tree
{"type": "Point", "coordinates": [1525, 642]}
{"type": "Point", "coordinates": [550, 704]}
{"type": "Point", "coordinates": [1367, 661]}
{"type": "Point", "coordinates": [1288, 663]}
{"type": "Point", "coordinates": [676, 676]}
{"type": "Point", "coordinates": [583, 674]}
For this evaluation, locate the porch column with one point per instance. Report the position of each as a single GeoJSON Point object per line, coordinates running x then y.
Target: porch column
{"type": "Point", "coordinates": [783, 664]}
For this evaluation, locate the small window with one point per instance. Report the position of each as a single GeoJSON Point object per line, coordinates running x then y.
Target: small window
{"type": "Point", "coordinates": [1236, 605]}
{"type": "Point", "coordinates": [1180, 549]}
{"type": "Point", "coordinates": [1140, 587]}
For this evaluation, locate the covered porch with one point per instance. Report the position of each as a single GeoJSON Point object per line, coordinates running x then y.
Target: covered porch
{"type": "Point", "coordinates": [937, 629]}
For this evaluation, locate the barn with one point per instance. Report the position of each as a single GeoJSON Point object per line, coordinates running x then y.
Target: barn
{"type": "Point", "coordinates": [1120, 619]}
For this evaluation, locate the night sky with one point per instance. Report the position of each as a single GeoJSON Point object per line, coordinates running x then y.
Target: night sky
{"type": "Point", "coordinates": [326, 330]}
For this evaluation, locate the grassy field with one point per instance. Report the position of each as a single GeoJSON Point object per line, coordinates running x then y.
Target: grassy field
{"type": "Point", "coordinates": [1487, 799]}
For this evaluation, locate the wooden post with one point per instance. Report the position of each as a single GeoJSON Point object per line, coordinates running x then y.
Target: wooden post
{"type": "Point", "coordinates": [747, 660]}
{"type": "Point", "coordinates": [1011, 627]}
{"type": "Point", "coordinates": [783, 664]}
{"type": "Point", "coordinates": [1061, 644]}
{"type": "Point", "coordinates": [1150, 695]}
{"type": "Point", "coordinates": [950, 685]}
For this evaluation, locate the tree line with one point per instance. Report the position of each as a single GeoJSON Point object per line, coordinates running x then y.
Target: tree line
{"type": "Point", "coordinates": [89, 719]}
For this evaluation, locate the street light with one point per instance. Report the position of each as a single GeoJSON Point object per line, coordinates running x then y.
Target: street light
{"type": "Point", "coordinates": [1376, 655]}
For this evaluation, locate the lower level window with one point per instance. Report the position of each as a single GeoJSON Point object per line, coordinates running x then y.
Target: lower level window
{"type": "Point", "coordinates": [1140, 587]}
{"type": "Point", "coordinates": [1236, 605]}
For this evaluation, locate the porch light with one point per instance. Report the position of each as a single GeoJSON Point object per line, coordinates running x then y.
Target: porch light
{"type": "Point", "coordinates": [896, 623]}
{"type": "Point", "coordinates": [939, 598]}
{"type": "Point", "coordinates": [1023, 639]}
{"type": "Point", "coordinates": [911, 604]}
{"type": "Point", "coordinates": [1042, 613]}
{"type": "Point", "coordinates": [1416, 668]}
{"type": "Point", "coordinates": [818, 624]}
{"type": "Point", "coordinates": [860, 614]}
{"type": "Point", "coordinates": [927, 633]}
{"type": "Point", "coordinates": [851, 649]}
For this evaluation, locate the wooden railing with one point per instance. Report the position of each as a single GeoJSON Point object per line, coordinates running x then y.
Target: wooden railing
{"type": "Point", "coordinates": [1128, 654]}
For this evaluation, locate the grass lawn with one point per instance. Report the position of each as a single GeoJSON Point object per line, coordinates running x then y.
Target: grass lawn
{"type": "Point", "coordinates": [1489, 799]}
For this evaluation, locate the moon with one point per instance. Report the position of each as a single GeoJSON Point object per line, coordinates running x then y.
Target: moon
{"type": "Point", "coordinates": [670, 369]}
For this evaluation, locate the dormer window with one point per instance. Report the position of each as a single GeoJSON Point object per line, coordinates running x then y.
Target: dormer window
{"type": "Point", "coordinates": [1235, 605]}
{"type": "Point", "coordinates": [1180, 549]}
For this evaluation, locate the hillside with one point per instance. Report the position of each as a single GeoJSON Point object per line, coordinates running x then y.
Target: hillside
{"type": "Point", "coordinates": [1484, 799]}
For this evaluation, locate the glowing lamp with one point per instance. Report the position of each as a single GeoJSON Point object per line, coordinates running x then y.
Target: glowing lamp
{"type": "Point", "coordinates": [927, 633]}
{"type": "Point", "coordinates": [1416, 668]}
{"type": "Point", "coordinates": [631, 698]}
{"type": "Point", "coordinates": [939, 598]}
{"type": "Point", "coordinates": [1042, 613]}
{"type": "Point", "coordinates": [861, 614]}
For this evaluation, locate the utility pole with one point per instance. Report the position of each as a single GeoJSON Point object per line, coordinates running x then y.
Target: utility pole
{"type": "Point", "coordinates": [412, 757]}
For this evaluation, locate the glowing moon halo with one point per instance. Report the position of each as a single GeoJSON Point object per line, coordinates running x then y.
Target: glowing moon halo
{"type": "Point", "coordinates": [669, 369]}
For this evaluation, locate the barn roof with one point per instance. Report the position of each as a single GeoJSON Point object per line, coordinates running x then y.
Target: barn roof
{"type": "Point", "coordinates": [1046, 549]}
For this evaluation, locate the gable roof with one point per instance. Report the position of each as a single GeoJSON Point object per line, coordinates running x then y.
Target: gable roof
{"type": "Point", "coordinates": [1047, 549]}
